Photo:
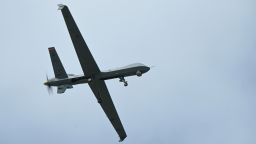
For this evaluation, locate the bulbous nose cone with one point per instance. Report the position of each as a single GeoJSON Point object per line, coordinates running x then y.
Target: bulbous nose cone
{"type": "Point", "coordinates": [146, 69]}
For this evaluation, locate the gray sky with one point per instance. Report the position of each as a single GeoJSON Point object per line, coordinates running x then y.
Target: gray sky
{"type": "Point", "coordinates": [202, 90]}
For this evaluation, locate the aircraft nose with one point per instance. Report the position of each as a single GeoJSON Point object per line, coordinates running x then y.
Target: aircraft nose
{"type": "Point", "coordinates": [147, 69]}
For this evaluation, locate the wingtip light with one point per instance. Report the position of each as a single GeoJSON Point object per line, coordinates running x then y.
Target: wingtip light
{"type": "Point", "coordinates": [60, 6]}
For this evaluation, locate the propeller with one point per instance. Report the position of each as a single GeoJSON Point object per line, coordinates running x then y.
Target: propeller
{"type": "Point", "coordinates": [49, 88]}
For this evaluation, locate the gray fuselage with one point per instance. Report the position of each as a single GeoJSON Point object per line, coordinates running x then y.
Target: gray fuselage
{"type": "Point", "coordinates": [130, 70]}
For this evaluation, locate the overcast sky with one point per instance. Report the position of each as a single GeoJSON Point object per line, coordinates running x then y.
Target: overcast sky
{"type": "Point", "coordinates": [201, 91]}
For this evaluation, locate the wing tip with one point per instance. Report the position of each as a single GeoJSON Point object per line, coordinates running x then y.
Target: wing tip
{"type": "Point", "coordinates": [61, 6]}
{"type": "Point", "coordinates": [122, 138]}
{"type": "Point", "coordinates": [51, 48]}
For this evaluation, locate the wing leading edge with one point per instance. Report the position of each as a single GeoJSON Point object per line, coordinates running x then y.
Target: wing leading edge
{"type": "Point", "coordinates": [90, 68]}
{"type": "Point", "coordinates": [100, 90]}
{"type": "Point", "coordinates": [84, 55]}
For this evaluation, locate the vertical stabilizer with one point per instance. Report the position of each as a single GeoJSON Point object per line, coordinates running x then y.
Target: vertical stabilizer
{"type": "Point", "coordinates": [58, 68]}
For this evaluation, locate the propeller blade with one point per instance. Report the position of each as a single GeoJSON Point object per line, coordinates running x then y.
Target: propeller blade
{"type": "Point", "coordinates": [49, 89]}
{"type": "Point", "coordinates": [47, 77]}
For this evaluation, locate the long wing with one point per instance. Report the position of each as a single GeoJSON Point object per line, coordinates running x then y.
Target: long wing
{"type": "Point", "coordinates": [90, 67]}
{"type": "Point", "coordinates": [100, 90]}
{"type": "Point", "coordinates": [85, 57]}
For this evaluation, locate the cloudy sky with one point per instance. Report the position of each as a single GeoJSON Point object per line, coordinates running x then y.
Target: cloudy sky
{"type": "Point", "coordinates": [201, 90]}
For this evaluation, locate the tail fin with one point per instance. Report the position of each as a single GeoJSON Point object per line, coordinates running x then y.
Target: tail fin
{"type": "Point", "coordinates": [58, 68]}
{"type": "Point", "coordinates": [61, 89]}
